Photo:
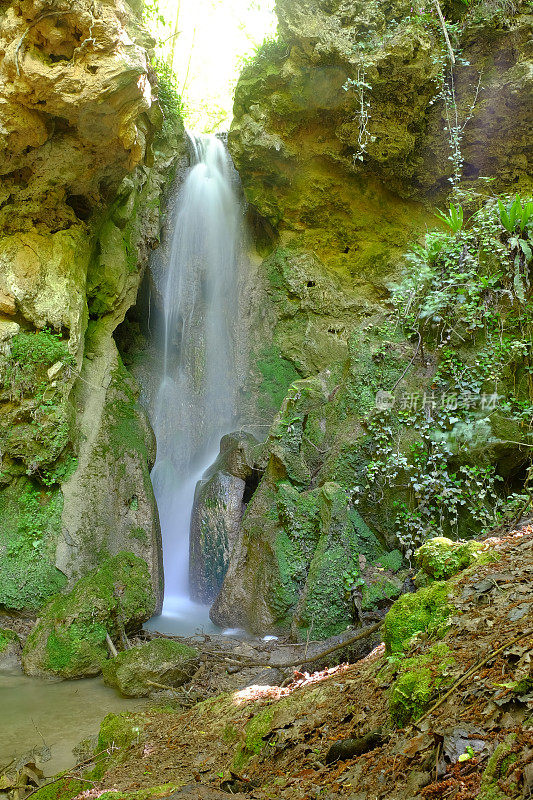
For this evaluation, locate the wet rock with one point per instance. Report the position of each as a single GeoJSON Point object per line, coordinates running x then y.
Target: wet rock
{"type": "Point", "coordinates": [159, 663]}
{"type": "Point", "coordinates": [217, 514]}
{"type": "Point", "coordinates": [10, 649]}
{"type": "Point", "coordinates": [69, 638]}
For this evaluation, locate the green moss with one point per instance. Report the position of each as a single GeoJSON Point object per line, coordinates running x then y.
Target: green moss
{"type": "Point", "coordinates": [120, 731]}
{"type": "Point", "coordinates": [30, 522]}
{"type": "Point", "coordinates": [277, 373]}
{"type": "Point", "coordinates": [80, 644]}
{"type": "Point", "coordinates": [23, 369]}
{"type": "Point", "coordinates": [379, 591]}
{"type": "Point", "coordinates": [254, 734]}
{"type": "Point", "coordinates": [291, 567]}
{"type": "Point", "coordinates": [63, 789]}
{"type": "Point", "coordinates": [7, 637]}
{"type": "Point", "coordinates": [419, 681]}
{"type": "Point", "coordinates": [325, 608]}
{"type": "Point", "coordinates": [440, 558]}
{"type": "Point", "coordinates": [427, 610]}
{"type": "Point", "coordinates": [496, 769]}
{"type": "Point", "coordinates": [164, 790]}
{"type": "Point", "coordinates": [125, 433]}
{"type": "Point", "coordinates": [39, 436]}
{"type": "Point", "coordinates": [299, 515]}
{"type": "Point", "coordinates": [139, 534]}
{"type": "Point", "coordinates": [392, 561]}
{"type": "Point", "coordinates": [161, 660]}
{"type": "Point", "coordinates": [69, 638]}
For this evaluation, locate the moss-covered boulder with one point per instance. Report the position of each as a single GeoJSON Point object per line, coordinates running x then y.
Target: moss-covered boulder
{"type": "Point", "coordinates": [441, 558]}
{"type": "Point", "coordinates": [419, 681]}
{"type": "Point", "coordinates": [9, 649]}
{"type": "Point", "coordinates": [161, 662]}
{"type": "Point", "coordinates": [426, 611]}
{"type": "Point", "coordinates": [69, 638]}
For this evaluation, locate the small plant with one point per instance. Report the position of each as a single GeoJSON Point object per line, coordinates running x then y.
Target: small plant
{"type": "Point", "coordinates": [364, 137]}
{"type": "Point", "coordinates": [515, 215]}
{"type": "Point", "coordinates": [453, 219]}
{"type": "Point", "coordinates": [167, 91]}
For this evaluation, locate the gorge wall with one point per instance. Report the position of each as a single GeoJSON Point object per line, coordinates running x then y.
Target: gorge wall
{"type": "Point", "coordinates": [86, 154]}
{"type": "Point", "coordinates": [349, 132]}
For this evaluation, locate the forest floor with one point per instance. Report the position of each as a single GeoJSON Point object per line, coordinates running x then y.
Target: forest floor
{"type": "Point", "coordinates": [271, 742]}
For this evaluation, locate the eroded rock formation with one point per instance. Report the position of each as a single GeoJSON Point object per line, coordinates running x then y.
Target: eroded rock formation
{"type": "Point", "coordinates": [348, 132]}
{"type": "Point", "coordinates": [84, 160]}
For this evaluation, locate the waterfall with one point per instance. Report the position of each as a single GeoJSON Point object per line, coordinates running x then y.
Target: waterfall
{"type": "Point", "coordinates": [195, 402]}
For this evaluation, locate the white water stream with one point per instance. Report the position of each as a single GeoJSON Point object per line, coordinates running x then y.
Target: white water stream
{"type": "Point", "coordinates": [195, 403]}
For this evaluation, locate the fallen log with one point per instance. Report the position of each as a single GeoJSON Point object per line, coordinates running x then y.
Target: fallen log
{"type": "Point", "coordinates": [301, 659]}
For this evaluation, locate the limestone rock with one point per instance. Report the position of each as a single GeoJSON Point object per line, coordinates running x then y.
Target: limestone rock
{"type": "Point", "coordinates": [69, 638]}
{"type": "Point", "coordinates": [109, 503]}
{"type": "Point", "coordinates": [84, 159]}
{"type": "Point", "coordinates": [7, 304]}
{"type": "Point", "coordinates": [161, 661]}
{"type": "Point", "coordinates": [216, 517]}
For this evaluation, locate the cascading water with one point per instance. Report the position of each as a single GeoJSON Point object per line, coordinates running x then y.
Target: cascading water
{"type": "Point", "coordinates": [195, 402]}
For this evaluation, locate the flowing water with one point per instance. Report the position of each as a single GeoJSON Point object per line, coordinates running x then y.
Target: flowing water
{"type": "Point", "coordinates": [194, 407]}
{"type": "Point", "coordinates": [195, 403]}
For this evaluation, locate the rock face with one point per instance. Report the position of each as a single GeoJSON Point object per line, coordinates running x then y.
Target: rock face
{"type": "Point", "coordinates": [10, 649]}
{"type": "Point", "coordinates": [85, 156]}
{"type": "Point", "coordinates": [217, 514]}
{"type": "Point", "coordinates": [345, 140]}
{"type": "Point", "coordinates": [161, 661]}
{"type": "Point", "coordinates": [69, 638]}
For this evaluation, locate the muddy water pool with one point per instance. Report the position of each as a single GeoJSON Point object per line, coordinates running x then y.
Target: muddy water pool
{"type": "Point", "coordinates": [53, 717]}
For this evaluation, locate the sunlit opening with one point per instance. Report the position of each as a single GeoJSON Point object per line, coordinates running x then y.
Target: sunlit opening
{"type": "Point", "coordinates": [208, 42]}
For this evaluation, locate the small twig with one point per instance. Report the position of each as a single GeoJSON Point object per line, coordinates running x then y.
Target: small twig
{"type": "Point", "coordinates": [446, 37]}
{"type": "Point", "coordinates": [410, 364]}
{"type": "Point", "coordinates": [111, 647]}
{"type": "Point", "coordinates": [161, 686]}
{"type": "Point", "coordinates": [472, 670]}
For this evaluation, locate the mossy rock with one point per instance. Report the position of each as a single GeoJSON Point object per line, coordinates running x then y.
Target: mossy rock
{"type": "Point", "coordinates": [161, 661]}
{"type": "Point", "coordinates": [325, 608]}
{"type": "Point", "coordinates": [440, 558]}
{"type": "Point", "coordinates": [418, 683]}
{"type": "Point", "coordinates": [69, 639]}
{"type": "Point", "coordinates": [30, 524]}
{"type": "Point", "coordinates": [426, 611]}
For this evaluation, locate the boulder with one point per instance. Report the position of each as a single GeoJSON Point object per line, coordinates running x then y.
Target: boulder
{"type": "Point", "coordinates": [217, 514]}
{"type": "Point", "coordinates": [161, 662]}
{"type": "Point", "coordinates": [69, 638]}
{"type": "Point", "coordinates": [441, 558]}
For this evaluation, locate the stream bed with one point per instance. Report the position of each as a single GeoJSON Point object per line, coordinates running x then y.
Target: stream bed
{"type": "Point", "coordinates": [53, 714]}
